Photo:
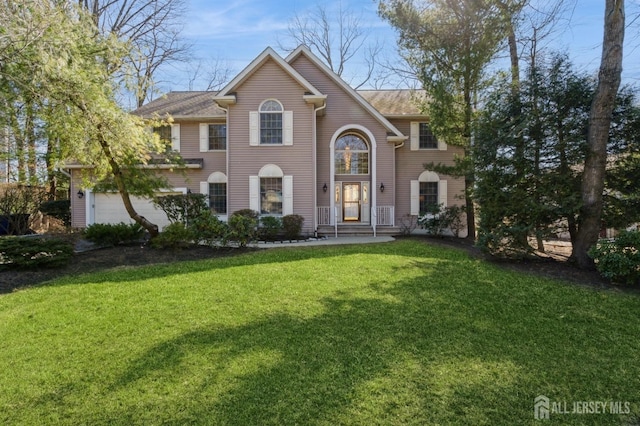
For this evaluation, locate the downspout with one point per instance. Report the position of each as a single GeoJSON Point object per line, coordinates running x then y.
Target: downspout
{"type": "Point", "coordinates": [226, 110]}
{"type": "Point", "coordinates": [315, 166]}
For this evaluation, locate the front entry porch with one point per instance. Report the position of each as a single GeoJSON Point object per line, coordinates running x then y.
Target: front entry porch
{"type": "Point", "coordinates": [331, 222]}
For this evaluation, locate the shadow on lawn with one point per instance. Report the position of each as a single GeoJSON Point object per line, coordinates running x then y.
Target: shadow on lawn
{"type": "Point", "coordinates": [416, 353]}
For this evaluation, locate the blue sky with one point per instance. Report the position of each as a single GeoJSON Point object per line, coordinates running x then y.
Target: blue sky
{"type": "Point", "coordinates": [236, 31]}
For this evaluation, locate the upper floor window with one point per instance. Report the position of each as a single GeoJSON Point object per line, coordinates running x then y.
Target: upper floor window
{"type": "Point", "coordinates": [427, 140]}
{"type": "Point", "coordinates": [271, 122]}
{"type": "Point", "coordinates": [351, 155]}
{"type": "Point", "coordinates": [423, 138]}
{"type": "Point", "coordinates": [217, 137]}
{"type": "Point", "coordinates": [164, 133]}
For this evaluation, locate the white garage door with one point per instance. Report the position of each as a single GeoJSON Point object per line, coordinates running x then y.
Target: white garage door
{"type": "Point", "coordinates": [109, 208]}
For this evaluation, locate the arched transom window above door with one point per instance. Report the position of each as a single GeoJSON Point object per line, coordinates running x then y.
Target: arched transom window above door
{"type": "Point", "coordinates": [351, 155]}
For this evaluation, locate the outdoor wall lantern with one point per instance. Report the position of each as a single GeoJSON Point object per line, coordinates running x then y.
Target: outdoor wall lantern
{"type": "Point", "coordinates": [80, 193]}
{"type": "Point", "coordinates": [324, 187]}
{"type": "Point", "coordinates": [382, 187]}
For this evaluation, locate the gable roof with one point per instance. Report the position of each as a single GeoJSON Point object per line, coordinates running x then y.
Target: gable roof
{"type": "Point", "coordinates": [396, 135]}
{"type": "Point", "coordinates": [183, 105]}
{"type": "Point", "coordinates": [226, 95]}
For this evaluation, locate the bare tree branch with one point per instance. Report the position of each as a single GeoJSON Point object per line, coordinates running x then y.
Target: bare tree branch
{"type": "Point", "coordinates": [338, 39]}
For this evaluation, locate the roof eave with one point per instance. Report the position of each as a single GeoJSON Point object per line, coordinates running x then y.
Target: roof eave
{"type": "Point", "coordinates": [316, 100]}
{"type": "Point", "coordinates": [225, 100]}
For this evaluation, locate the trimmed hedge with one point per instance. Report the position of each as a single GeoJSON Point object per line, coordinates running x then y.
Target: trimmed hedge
{"type": "Point", "coordinates": [28, 253]}
{"type": "Point", "coordinates": [114, 234]}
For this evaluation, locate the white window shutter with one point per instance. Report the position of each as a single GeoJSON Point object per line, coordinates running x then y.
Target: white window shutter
{"type": "Point", "coordinates": [204, 137]}
{"type": "Point", "coordinates": [442, 192]}
{"type": "Point", "coordinates": [175, 137]}
{"type": "Point", "coordinates": [442, 145]}
{"type": "Point", "coordinates": [415, 197]}
{"type": "Point", "coordinates": [204, 189]}
{"type": "Point", "coordinates": [254, 128]}
{"type": "Point", "coordinates": [287, 195]}
{"type": "Point", "coordinates": [254, 193]}
{"type": "Point", "coordinates": [288, 128]}
{"type": "Point", "coordinates": [415, 136]}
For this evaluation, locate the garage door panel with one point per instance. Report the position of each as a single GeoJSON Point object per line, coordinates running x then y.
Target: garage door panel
{"type": "Point", "coordinates": [109, 208]}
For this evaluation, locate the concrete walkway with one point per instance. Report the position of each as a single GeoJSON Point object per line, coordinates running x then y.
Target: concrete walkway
{"type": "Point", "coordinates": [327, 242]}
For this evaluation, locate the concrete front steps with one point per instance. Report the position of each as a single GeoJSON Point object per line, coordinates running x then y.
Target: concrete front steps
{"type": "Point", "coordinates": [357, 230]}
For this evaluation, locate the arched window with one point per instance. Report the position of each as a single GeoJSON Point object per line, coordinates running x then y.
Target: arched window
{"type": "Point", "coordinates": [428, 193]}
{"type": "Point", "coordinates": [271, 122]}
{"type": "Point", "coordinates": [351, 155]}
{"type": "Point", "coordinates": [217, 189]}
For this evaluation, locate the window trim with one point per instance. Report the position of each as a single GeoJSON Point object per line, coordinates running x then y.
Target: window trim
{"type": "Point", "coordinates": [261, 113]}
{"type": "Point", "coordinates": [204, 136]}
{"type": "Point", "coordinates": [218, 178]}
{"type": "Point", "coordinates": [415, 138]}
{"type": "Point", "coordinates": [427, 176]}
{"type": "Point", "coordinates": [255, 131]}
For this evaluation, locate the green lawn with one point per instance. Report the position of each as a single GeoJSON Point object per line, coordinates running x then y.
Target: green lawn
{"type": "Point", "coordinates": [395, 333]}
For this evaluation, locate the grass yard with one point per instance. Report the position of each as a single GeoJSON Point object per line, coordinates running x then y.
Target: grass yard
{"type": "Point", "coordinates": [395, 333]}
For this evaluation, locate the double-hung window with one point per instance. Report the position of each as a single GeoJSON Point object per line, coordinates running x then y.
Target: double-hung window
{"type": "Point", "coordinates": [422, 138]}
{"type": "Point", "coordinates": [218, 198]}
{"type": "Point", "coordinates": [271, 123]}
{"type": "Point", "coordinates": [213, 137]}
{"type": "Point", "coordinates": [428, 197]}
{"type": "Point", "coordinates": [271, 195]}
{"type": "Point", "coordinates": [426, 139]}
{"type": "Point", "coordinates": [217, 137]}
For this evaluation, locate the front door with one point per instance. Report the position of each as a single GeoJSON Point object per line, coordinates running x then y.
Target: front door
{"type": "Point", "coordinates": [351, 202]}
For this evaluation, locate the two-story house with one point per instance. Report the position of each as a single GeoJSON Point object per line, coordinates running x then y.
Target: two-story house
{"type": "Point", "coordinates": [288, 135]}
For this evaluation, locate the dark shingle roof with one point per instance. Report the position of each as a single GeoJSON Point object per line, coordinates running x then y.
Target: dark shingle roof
{"type": "Point", "coordinates": [183, 105]}
{"type": "Point", "coordinates": [193, 105]}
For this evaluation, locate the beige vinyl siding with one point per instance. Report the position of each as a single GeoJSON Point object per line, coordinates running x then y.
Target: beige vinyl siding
{"type": "Point", "coordinates": [410, 164]}
{"type": "Point", "coordinates": [270, 81]}
{"type": "Point", "coordinates": [78, 205]}
{"type": "Point", "coordinates": [343, 110]}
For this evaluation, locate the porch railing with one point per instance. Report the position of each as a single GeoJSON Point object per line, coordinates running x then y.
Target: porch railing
{"type": "Point", "coordinates": [384, 215]}
{"type": "Point", "coordinates": [324, 215]}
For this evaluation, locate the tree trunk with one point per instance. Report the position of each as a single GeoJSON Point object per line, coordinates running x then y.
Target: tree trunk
{"type": "Point", "coordinates": [598, 133]}
{"type": "Point", "coordinates": [124, 194]}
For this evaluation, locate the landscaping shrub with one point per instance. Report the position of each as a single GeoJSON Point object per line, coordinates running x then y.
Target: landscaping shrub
{"type": "Point", "coordinates": [174, 235]}
{"type": "Point", "coordinates": [270, 226]}
{"type": "Point", "coordinates": [248, 213]}
{"type": "Point", "coordinates": [440, 218]}
{"type": "Point", "coordinates": [292, 224]}
{"type": "Point", "coordinates": [619, 259]}
{"type": "Point", "coordinates": [182, 207]}
{"type": "Point", "coordinates": [113, 234]}
{"type": "Point", "coordinates": [60, 209]}
{"type": "Point", "coordinates": [242, 226]}
{"type": "Point", "coordinates": [408, 223]}
{"type": "Point", "coordinates": [210, 230]}
{"type": "Point", "coordinates": [28, 253]}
